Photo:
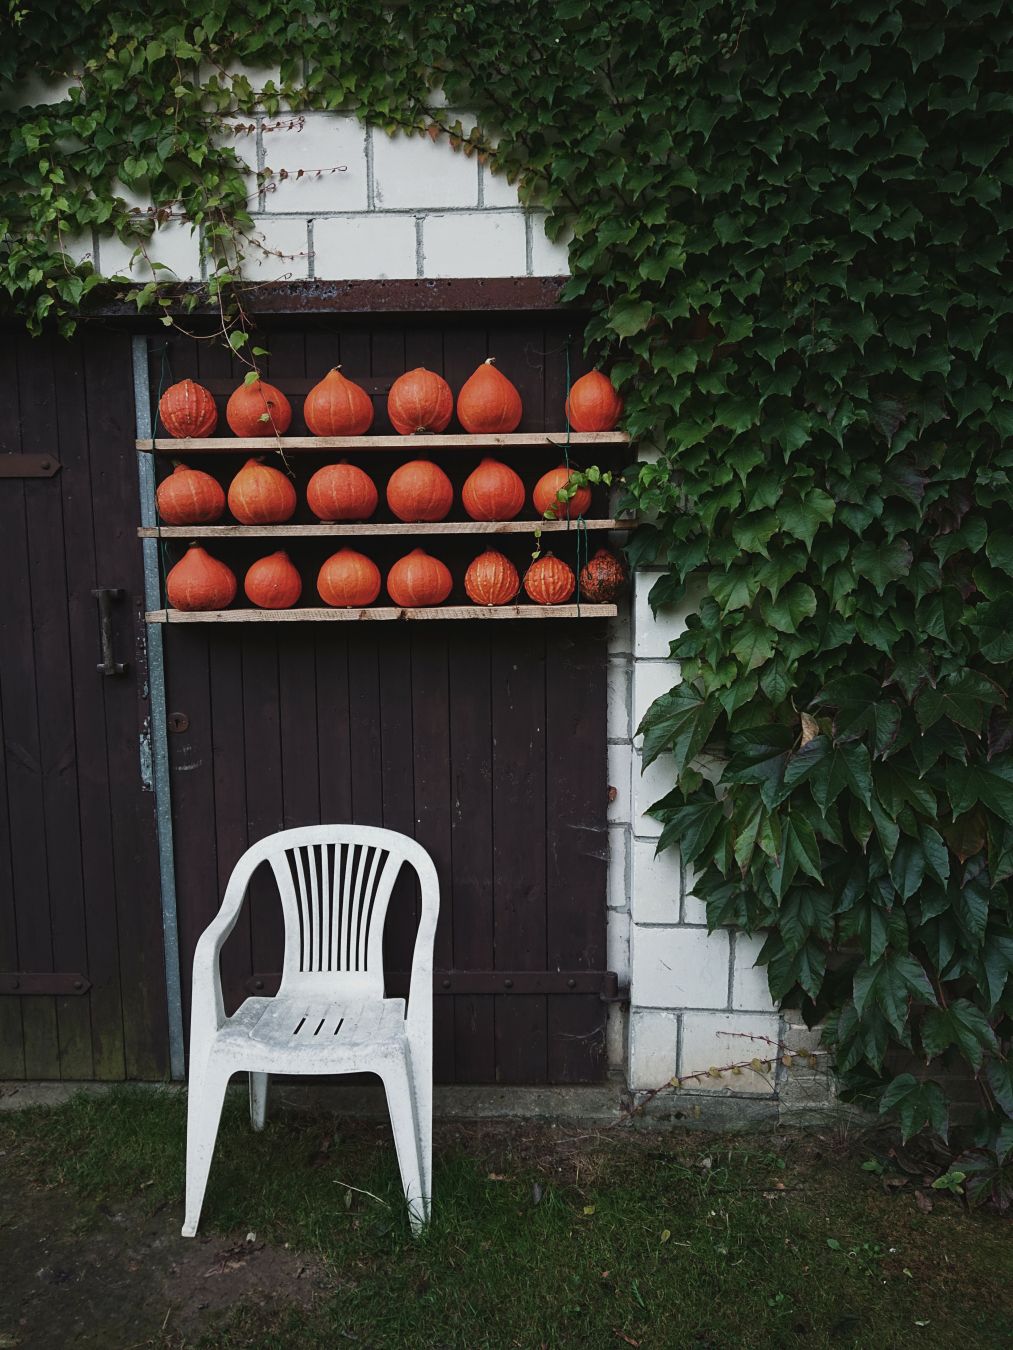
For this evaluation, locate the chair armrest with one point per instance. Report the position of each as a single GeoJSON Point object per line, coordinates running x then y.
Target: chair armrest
{"type": "Point", "coordinates": [207, 1013]}
{"type": "Point", "coordinates": [419, 1021]}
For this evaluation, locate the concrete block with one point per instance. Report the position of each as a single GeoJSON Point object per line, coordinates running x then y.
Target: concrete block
{"type": "Point", "coordinates": [654, 1049]}
{"type": "Point", "coordinates": [173, 243]}
{"type": "Point", "coordinates": [651, 679]}
{"type": "Point", "coordinates": [655, 883]}
{"type": "Point", "coordinates": [749, 981]}
{"type": "Point", "coordinates": [647, 788]}
{"type": "Point", "coordinates": [416, 173]}
{"type": "Point", "coordinates": [80, 247]}
{"type": "Point", "coordinates": [496, 191]}
{"type": "Point", "coordinates": [678, 968]}
{"type": "Point", "coordinates": [711, 1039]}
{"type": "Point", "coordinates": [619, 699]}
{"type": "Point", "coordinates": [651, 636]}
{"type": "Point", "coordinates": [616, 1036]}
{"type": "Point", "coordinates": [278, 250]}
{"type": "Point", "coordinates": [618, 944]}
{"type": "Point", "coordinates": [618, 837]}
{"type": "Point", "coordinates": [619, 760]}
{"type": "Point", "coordinates": [693, 909]}
{"type": "Point", "coordinates": [324, 158]}
{"type": "Point", "coordinates": [366, 247]}
{"type": "Point", "coordinates": [474, 244]}
{"type": "Point", "coordinates": [620, 634]}
{"type": "Point", "coordinates": [548, 259]}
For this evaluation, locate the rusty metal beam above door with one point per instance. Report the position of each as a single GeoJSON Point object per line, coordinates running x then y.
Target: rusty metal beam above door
{"type": "Point", "coordinates": [416, 295]}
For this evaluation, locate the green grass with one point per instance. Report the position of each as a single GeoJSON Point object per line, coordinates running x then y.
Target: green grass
{"type": "Point", "coordinates": [684, 1240]}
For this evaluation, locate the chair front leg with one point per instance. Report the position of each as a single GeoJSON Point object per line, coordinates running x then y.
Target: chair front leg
{"type": "Point", "coordinates": [258, 1099]}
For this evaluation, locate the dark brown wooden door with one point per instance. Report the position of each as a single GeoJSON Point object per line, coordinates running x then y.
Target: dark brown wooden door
{"type": "Point", "coordinates": [79, 888]}
{"type": "Point", "coordinates": [485, 742]}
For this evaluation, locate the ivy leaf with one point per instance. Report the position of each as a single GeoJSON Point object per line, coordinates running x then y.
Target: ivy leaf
{"type": "Point", "coordinates": [999, 1075]}
{"type": "Point", "coordinates": [793, 606]}
{"type": "Point", "coordinates": [888, 984]}
{"type": "Point", "coordinates": [629, 317]}
{"type": "Point", "coordinates": [681, 721]}
{"type": "Point", "coordinates": [999, 551]}
{"type": "Point", "coordinates": [752, 645]}
{"type": "Point", "coordinates": [690, 827]}
{"type": "Point", "coordinates": [882, 563]}
{"type": "Point", "coordinates": [801, 519]}
{"type": "Point", "coordinates": [993, 625]}
{"type": "Point", "coordinates": [960, 1024]}
{"type": "Point", "coordinates": [917, 1104]}
{"type": "Point", "coordinates": [964, 698]}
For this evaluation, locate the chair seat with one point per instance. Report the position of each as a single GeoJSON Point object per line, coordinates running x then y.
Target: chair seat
{"type": "Point", "coordinates": [318, 1030]}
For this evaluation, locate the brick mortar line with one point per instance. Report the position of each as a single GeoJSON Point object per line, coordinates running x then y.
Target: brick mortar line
{"type": "Point", "coordinates": [407, 211]}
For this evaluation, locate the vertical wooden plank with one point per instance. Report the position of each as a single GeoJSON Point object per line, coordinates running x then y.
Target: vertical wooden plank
{"type": "Point", "coordinates": [300, 742]}
{"type": "Point", "coordinates": [264, 802]}
{"type": "Point", "coordinates": [518, 776]}
{"type": "Point", "coordinates": [334, 758]}
{"type": "Point", "coordinates": [228, 753]}
{"type": "Point", "coordinates": [12, 1050]}
{"type": "Point", "coordinates": [469, 898]}
{"type": "Point", "coordinates": [433, 825]}
{"type": "Point", "coordinates": [577, 846]}
{"type": "Point", "coordinates": [27, 770]}
{"type": "Point", "coordinates": [101, 950]}
{"type": "Point", "coordinates": [397, 786]}
{"type": "Point", "coordinates": [111, 430]}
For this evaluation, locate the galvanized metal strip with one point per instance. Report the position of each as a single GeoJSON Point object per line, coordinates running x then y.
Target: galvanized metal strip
{"type": "Point", "coordinates": [155, 756]}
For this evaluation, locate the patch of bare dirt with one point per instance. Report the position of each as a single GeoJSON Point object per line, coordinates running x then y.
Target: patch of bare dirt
{"type": "Point", "coordinates": [120, 1279]}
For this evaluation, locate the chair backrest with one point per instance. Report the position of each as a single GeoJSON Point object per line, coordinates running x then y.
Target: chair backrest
{"type": "Point", "coordinates": [335, 883]}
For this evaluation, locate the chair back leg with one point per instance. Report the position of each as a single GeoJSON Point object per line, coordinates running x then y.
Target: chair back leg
{"type": "Point", "coordinates": [258, 1100]}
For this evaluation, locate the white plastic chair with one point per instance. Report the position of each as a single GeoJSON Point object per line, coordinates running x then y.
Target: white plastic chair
{"type": "Point", "coordinates": [330, 1014]}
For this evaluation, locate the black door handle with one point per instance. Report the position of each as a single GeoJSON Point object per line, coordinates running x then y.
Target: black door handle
{"type": "Point", "coordinates": [105, 595]}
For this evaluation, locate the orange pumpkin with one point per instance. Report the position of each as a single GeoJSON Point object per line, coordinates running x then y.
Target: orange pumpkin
{"type": "Point", "coordinates": [260, 495]}
{"type": "Point", "coordinates": [338, 407]}
{"type": "Point", "coordinates": [341, 492]}
{"type": "Point", "coordinates": [348, 580]}
{"type": "Point", "coordinates": [199, 581]}
{"type": "Point", "coordinates": [258, 409]}
{"type": "Point", "coordinates": [273, 582]}
{"type": "Point", "coordinates": [602, 578]}
{"type": "Point", "coordinates": [492, 492]}
{"type": "Point", "coordinates": [488, 403]}
{"type": "Point", "coordinates": [419, 490]}
{"type": "Point", "coordinates": [491, 579]}
{"type": "Point", "coordinates": [188, 410]}
{"type": "Point", "coordinates": [418, 580]}
{"type": "Point", "coordinates": [419, 401]}
{"type": "Point", "coordinates": [549, 581]}
{"type": "Point", "coordinates": [546, 500]}
{"type": "Point", "coordinates": [593, 404]}
{"type": "Point", "coordinates": [190, 497]}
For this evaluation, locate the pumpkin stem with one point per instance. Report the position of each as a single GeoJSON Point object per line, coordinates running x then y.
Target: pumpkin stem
{"type": "Point", "coordinates": [489, 361]}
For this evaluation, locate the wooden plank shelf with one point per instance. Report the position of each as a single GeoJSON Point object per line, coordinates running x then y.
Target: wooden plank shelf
{"type": "Point", "coordinates": [381, 613]}
{"type": "Point", "coordinates": [337, 530]}
{"type": "Point", "coordinates": [225, 445]}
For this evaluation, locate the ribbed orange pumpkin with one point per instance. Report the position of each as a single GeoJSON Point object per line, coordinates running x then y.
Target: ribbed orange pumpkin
{"type": "Point", "coordinates": [491, 579]}
{"type": "Point", "coordinates": [341, 492]}
{"type": "Point", "coordinates": [419, 401]}
{"type": "Point", "coordinates": [190, 497]}
{"type": "Point", "coordinates": [547, 503]}
{"type": "Point", "coordinates": [348, 580]}
{"type": "Point", "coordinates": [188, 410]}
{"type": "Point", "coordinates": [199, 581]}
{"type": "Point", "coordinates": [549, 581]}
{"type": "Point", "coordinates": [593, 404]}
{"type": "Point", "coordinates": [260, 495]}
{"type": "Point", "coordinates": [419, 580]}
{"type": "Point", "coordinates": [258, 409]}
{"type": "Point", "coordinates": [337, 407]}
{"type": "Point", "coordinates": [492, 492]}
{"type": "Point", "coordinates": [488, 403]}
{"type": "Point", "coordinates": [419, 490]}
{"type": "Point", "coordinates": [273, 582]}
{"type": "Point", "coordinates": [602, 578]}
